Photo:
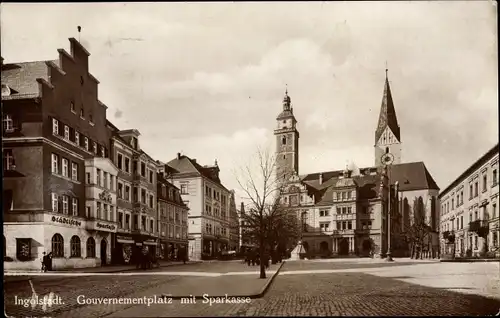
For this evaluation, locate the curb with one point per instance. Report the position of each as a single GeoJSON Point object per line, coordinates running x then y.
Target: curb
{"type": "Point", "coordinates": [27, 278]}
{"type": "Point", "coordinates": [262, 292]}
{"type": "Point", "coordinates": [469, 260]}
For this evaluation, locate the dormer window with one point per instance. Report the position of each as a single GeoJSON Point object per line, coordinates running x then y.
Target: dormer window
{"type": "Point", "coordinates": [91, 119]}
{"type": "Point", "coordinates": [72, 106]}
{"type": "Point", "coordinates": [81, 113]}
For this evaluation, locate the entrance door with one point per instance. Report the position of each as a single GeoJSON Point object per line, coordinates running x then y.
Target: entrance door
{"type": "Point", "coordinates": [343, 247]}
{"type": "Point", "coordinates": [323, 248]}
{"type": "Point", "coordinates": [103, 252]}
{"type": "Point", "coordinates": [367, 246]}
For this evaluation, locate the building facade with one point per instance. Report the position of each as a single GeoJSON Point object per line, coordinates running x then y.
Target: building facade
{"type": "Point", "coordinates": [137, 215]}
{"type": "Point", "coordinates": [345, 212]}
{"type": "Point", "coordinates": [172, 219]}
{"type": "Point", "coordinates": [208, 202]}
{"type": "Point", "coordinates": [473, 197]}
{"type": "Point", "coordinates": [52, 123]}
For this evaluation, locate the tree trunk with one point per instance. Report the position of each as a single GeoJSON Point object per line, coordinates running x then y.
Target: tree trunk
{"type": "Point", "coordinates": [262, 265]}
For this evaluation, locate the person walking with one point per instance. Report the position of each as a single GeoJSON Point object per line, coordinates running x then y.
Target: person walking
{"type": "Point", "coordinates": [44, 263]}
{"type": "Point", "coordinates": [49, 262]}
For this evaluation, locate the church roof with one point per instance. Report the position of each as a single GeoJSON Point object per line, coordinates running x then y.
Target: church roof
{"type": "Point", "coordinates": [285, 114]}
{"type": "Point", "coordinates": [387, 117]}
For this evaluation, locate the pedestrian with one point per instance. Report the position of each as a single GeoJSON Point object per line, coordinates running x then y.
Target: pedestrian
{"type": "Point", "coordinates": [44, 262]}
{"type": "Point", "coordinates": [49, 262]}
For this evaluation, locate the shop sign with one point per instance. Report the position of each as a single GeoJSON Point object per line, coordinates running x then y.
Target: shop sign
{"type": "Point", "coordinates": [102, 226]}
{"type": "Point", "coordinates": [150, 242]}
{"type": "Point", "coordinates": [64, 220]}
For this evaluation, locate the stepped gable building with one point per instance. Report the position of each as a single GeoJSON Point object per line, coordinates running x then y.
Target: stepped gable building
{"type": "Point", "coordinates": [344, 212]}
{"type": "Point", "coordinates": [209, 220]}
{"type": "Point", "coordinates": [56, 167]}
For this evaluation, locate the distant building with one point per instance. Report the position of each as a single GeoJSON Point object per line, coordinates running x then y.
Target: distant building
{"type": "Point", "coordinates": [234, 235]}
{"type": "Point", "coordinates": [344, 212]}
{"type": "Point", "coordinates": [208, 202]}
{"type": "Point", "coordinates": [172, 219]}
{"type": "Point", "coordinates": [473, 196]}
{"type": "Point", "coordinates": [54, 129]}
{"type": "Point", "coordinates": [244, 239]}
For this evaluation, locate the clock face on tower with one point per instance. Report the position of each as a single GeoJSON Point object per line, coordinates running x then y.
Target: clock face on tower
{"type": "Point", "coordinates": [387, 158]}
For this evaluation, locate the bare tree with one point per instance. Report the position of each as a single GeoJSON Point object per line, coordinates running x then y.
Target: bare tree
{"type": "Point", "coordinates": [263, 185]}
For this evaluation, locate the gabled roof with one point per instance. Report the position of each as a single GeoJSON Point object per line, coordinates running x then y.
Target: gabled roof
{"type": "Point", "coordinates": [22, 77]}
{"type": "Point", "coordinates": [410, 176]}
{"type": "Point", "coordinates": [184, 164]}
{"type": "Point", "coordinates": [387, 117]}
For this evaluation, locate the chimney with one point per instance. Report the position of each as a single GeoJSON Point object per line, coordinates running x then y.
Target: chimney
{"type": "Point", "coordinates": [321, 178]}
{"type": "Point", "coordinates": [178, 155]}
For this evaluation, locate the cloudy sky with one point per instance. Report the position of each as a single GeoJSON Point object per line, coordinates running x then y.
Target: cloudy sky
{"type": "Point", "coordinates": [207, 79]}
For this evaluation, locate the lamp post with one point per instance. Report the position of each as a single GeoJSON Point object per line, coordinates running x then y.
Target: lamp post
{"type": "Point", "coordinates": [387, 160]}
{"type": "Point", "coordinates": [389, 248]}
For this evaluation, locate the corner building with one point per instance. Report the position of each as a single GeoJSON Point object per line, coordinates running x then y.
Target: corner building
{"type": "Point", "coordinates": [208, 200]}
{"type": "Point", "coordinates": [473, 197]}
{"type": "Point", "coordinates": [53, 127]}
{"type": "Point", "coordinates": [345, 212]}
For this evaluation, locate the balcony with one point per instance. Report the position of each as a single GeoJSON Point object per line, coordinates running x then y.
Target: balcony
{"type": "Point", "coordinates": [477, 225]}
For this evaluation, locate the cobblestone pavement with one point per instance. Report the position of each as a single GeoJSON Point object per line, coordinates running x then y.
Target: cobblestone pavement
{"type": "Point", "coordinates": [307, 265]}
{"type": "Point", "coordinates": [342, 294]}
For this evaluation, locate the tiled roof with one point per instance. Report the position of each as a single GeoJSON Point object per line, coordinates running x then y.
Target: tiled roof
{"type": "Point", "coordinates": [184, 164]}
{"type": "Point", "coordinates": [410, 176]}
{"type": "Point", "coordinates": [22, 77]}
{"type": "Point", "coordinates": [387, 117]}
{"type": "Point", "coordinates": [285, 114]}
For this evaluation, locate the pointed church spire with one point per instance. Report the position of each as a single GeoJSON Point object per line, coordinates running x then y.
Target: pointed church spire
{"type": "Point", "coordinates": [387, 117]}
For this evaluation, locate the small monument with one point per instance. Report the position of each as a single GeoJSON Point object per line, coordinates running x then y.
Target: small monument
{"type": "Point", "coordinates": [298, 252]}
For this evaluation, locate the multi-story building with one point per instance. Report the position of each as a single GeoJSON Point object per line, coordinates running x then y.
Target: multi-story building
{"type": "Point", "coordinates": [473, 196]}
{"type": "Point", "coordinates": [208, 202]}
{"type": "Point", "coordinates": [234, 237]}
{"type": "Point", "coordinates": [244, 240]}
{"type": "Point", "coordinates": [53, 122]}
{"type": "Point", "coordinates": [136, 196]}
{"type": "Point", "coordinates": [344, 212]}
{"type": "Point", "coordinates": [172, 219]}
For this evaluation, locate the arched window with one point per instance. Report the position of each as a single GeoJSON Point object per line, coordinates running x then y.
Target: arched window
{"type": "Point", "coordinates": [76, 248]}
{"type": "Point", "coordinates": [57, 245]}
{"type": "Point", "coordinates": [283, 140]}
{"type": "Point", "coordinates": [90, 247]}
{"type": "Point", "coordinates": [304, 221]}
{"type": "Point", "coordinates": [386, 149]}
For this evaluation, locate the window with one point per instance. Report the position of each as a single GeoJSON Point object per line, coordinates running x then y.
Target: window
{"type": "Point", "coordinates": [493, 210]}
{"type": "Point", "coordinates": [283, 140]}
{"type": "Point", "coordinates": [338, 195]}
{"type": "Point", "coordinates": [66, 132]}
{"type": "Point", "coordinates": [461, 197]}
{"type": "Point", "coordinates": [143, 169]}
{"type": "Point", "coordinates": [23, 249]}
{"type": "Point", "coordinates": [90, 247]}
{"type": "Point", "coordinates": [485, 182]}
{"type": "Point", "coordinates": [82, 113]}
{"type": "Point", "coordinates": [475, 242]}
{"type": "Point", "coordinates": [184, 189]}
{"type": "Point", "coordinates": [349, 225]}
{"type": "Point", "coordinates": [8, 123]}
{"type": "Point", "coordinates": [98, 173]}
{"type": "Point", "coordinates": [136, 222]}
{"type": "Point", "coordinates": [151, 201]}
{"type": "Point", "coordinates": [470, 192]}
{"type": "Point", "coordinates": [324, 226]}
{"type": "Point", "coordinates": [105, 179]}
{"type": "Point", "coordinates": [127, 221]}
{"type": "Point", "coordinates": [143, 223]}
{"type": "Point", "coordinates": [127, 193]}
{"type": "Point", "coordinates": [65, 201]}
{"type": "Point", "coordinates": [74, 171]}
{"type": "Point", "coordinates": [349, 194]}
{"type": "Point", "coordinates": [74, 206]}
{"type": "Point", "coordinates": [452, 204]}
{"type": "Point", "coordinates": [8, 159]}
{"type": "Point", "coordinates": [76, 249]}
{"type": "Point", "coordinates": [91, 119]}
{"type": "Point", "coordinates": [475, 215]}
{"type": "Point", "coordinates": [127, 165]}
{"type": "Point", "coordinates": [151, 226]}
{"type": "Point", "coordinates": [77, 138]}
{"type": "Point", "coordinates": [495, 181]}
{"type": "Point", "coordinates": [461, 222]}
{"type": "Point", "coordinates": [55, 164]}
{"type": "Point", "coordinates": [475, 189]}
{"type": "Point", "coordinates": [349, 210]}
{"type": "Point", "coordinates": [458, 224]}
{"type": "Point", "coordinates": [111, 182]}
{"type": "Point", "coordinates": [120, 190]}
{"type": "Point", "coordinates": [55, 203]}
{"type": "Point", "coordinates": [86, 143]}
{"type": "Point", "coordinates": [55, 126]}
{"type": "Point", "coordinates": [119, 161]}
{"type": "Point", "coordinates": [57, 245]}
{"type": "Point", "coordinates": [103, 152]}
{"type": "Point", "coordinates": [143, 196]}
{"type": "Point", "coordinates": [94, 147]}
{"type": "Point", "coordinates": [151, 176]}
{"type": "Point", "coordinates": [98, 210]}
{"type": "Point", "coordinates": [72, 107]}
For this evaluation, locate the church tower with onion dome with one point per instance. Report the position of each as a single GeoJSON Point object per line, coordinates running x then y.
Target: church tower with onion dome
{"type": "Point", "coordinates": [287, 139]}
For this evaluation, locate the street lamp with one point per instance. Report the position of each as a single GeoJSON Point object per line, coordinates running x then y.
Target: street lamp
{"type": "Point", "coordinates": [387, 159]}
